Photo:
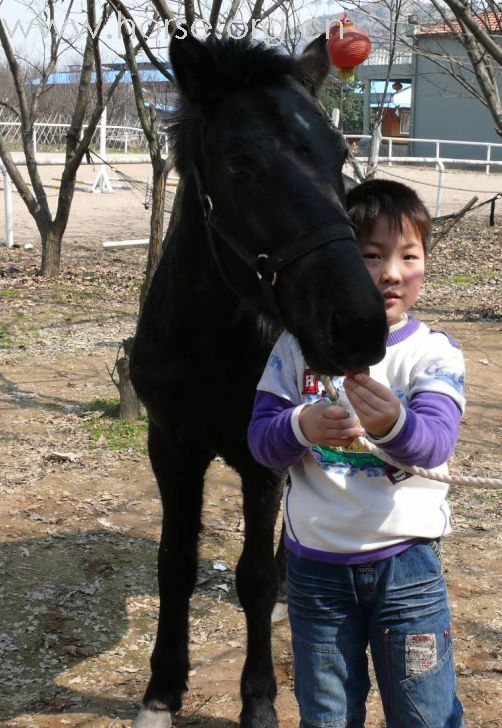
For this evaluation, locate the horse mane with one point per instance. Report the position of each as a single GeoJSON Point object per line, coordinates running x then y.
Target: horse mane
{"type": "Point", "coordinates": [238, 65]}
{"type": "Point", "coordinates": [244, 64]}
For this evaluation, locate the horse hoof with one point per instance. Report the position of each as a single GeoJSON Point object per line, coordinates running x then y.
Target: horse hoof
{"type": "Point", "coordinates": [258, 713]}
{"type": "Point", "coordinates": [153, 719]}
{"type": "Point", "coordinates": [279, 612]}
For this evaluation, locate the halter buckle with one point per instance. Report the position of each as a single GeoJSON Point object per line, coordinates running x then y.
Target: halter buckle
{"type": "Point", "coordinates": [207, 206]}
{"type": "Point", "coordinates": [264, 269]}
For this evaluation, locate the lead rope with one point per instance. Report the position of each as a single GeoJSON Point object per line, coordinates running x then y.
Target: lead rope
{"type": "Point", "coordinates": [494, 483]}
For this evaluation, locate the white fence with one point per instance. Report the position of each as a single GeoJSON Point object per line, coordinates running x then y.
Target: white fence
{"type": "Point", "coordinates": [111, 136]}
{"type": "Point", "coordinates": [386, 152]}
{"type": "Point", "coordinates": [381, 57]}
{"type": "Point", "coordinates": [52, 137]}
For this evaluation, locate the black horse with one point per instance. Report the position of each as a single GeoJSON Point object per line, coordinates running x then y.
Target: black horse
{"type": "Point", "coordinates": [262, 237]}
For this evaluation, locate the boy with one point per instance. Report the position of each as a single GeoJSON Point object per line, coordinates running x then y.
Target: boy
{"type": "Point", "coordinates": [363, 538]}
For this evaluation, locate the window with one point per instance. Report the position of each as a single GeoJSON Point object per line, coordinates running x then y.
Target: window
{"type": "Point", "coordinates": [404, 121]}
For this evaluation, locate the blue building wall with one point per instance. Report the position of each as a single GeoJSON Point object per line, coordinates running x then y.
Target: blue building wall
{"type": "Point", "coordinates": [443, 109]}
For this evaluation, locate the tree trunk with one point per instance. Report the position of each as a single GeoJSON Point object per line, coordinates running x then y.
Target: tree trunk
{"type": "Point", "coordinates": [52, 230]}
{"type": "Point", "coordinates": [156, 226]}
{"type": "Point", "coordinates": [51, 251]}
{"type": "Point", "coordinates": [376, 140]}
{"type": "Point", "coordinates": [130, 406]}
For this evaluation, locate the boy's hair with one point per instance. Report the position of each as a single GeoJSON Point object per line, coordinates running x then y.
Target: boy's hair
{"type": "Point", "coordinates": [399, 203]}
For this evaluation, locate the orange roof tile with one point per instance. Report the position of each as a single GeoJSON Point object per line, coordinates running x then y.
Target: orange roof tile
{"type": "Point", "coordinates": [491, 21]}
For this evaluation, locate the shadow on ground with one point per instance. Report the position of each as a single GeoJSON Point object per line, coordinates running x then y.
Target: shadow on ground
{"type": "Point", "coordinates": [74, 610]}
{"type": "Point", "coordinates": [79, 613]}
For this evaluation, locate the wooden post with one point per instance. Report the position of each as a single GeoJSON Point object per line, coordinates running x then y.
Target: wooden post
{"type": "Point", "coordinates": [7, 192]}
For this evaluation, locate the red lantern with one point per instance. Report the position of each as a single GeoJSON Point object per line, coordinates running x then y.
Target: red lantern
{"type": "Point", "coordinates": [348, 47]}
{"type": "Point", "coordinates": [397, 86]}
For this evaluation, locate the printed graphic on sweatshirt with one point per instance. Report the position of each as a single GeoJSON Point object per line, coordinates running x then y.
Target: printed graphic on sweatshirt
{"type": "Point", "coordinates": [275, 362]}
{"type": "Point", "coordinates": [310, 382]}
{"type": "Point", "coordinates": [350, 464]}
{"type": "Point", "coordinates": [454, 379]}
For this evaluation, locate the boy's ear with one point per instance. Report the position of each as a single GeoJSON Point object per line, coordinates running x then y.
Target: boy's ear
{"type": "Point", "coordinates": [349, 183]}
{"type": "Point", "coordinates": [315, 64]}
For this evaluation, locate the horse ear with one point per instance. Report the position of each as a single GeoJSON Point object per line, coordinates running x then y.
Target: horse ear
{"type": "Point", "coordinates": [315, 64]}
{"type": "Point", "coordinates": [193, 65]}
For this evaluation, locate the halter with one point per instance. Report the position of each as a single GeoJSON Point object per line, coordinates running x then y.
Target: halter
{"type": "Point", "coordinates": [266, 266]}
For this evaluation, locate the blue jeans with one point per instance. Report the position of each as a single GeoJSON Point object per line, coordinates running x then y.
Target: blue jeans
{"type": "Point", "coordinates": [399, 606]}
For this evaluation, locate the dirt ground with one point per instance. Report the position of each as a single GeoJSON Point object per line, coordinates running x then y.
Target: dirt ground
{"type": "Point", "coordinates": [80, 516]}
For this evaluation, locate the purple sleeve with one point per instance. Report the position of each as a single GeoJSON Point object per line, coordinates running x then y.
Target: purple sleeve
{"type": "Point", "coordinates": [270, 436]}
{"type": "Point", "coordinates": [430, 431]}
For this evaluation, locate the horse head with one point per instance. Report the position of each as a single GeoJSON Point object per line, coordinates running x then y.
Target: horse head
{"type": "Point", "coordinates": [267, 167]}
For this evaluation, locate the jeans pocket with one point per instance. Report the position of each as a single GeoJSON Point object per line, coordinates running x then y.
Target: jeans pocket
{"type": "Point", "coordinates": [433, 696]}
{"type": "Point", "coordinates": [314, 590]}
{"type": "Point", "coordinates": [435, 546]}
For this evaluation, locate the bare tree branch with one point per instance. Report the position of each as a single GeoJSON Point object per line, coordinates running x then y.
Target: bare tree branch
{"type": "Point", "coordinates": [138, 91]}
{"type": "Point", "coordinates": [273, 8]}
{"type": "Point", "coordinates": [48, 70]}
{"type": "Point", "coordinates": [463, 12]}
{"type": "Point", "coordinates": [11, 108]}
{"type": "Point", "coordinates": [15, 71]}
{"type": "Point", "coordinates": [160, 167]}
{"type": "Point", "coordinates": [189, 12]}
{"type": "Point", "coordinates": [119, 6]}
{"type": "Point", "coordinates": [83, 89]}
{"type": "Point", "coordinates": [16, 176]}
{"type": "Point", "coordinates": [480, 57]}
{"type": "Point", "coordinates": [215, 14]}
{"type": "Point", "coordinates": [478, 65]}
{"type": "Point", "coordinates": [257, 10]}
{"type": "Point", "coordinates": [27, 117]}
{"type": "Point", "coordinates": [484, 77]}
{"type": "Point", "coordinates": [230, 16]}
{"type": "Point", "coordinates": [52, 229]}
{"type": "Point", "coordinates": [163, 10]}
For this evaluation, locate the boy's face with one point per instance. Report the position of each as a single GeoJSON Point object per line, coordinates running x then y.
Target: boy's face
{"type": "Point", "coordinates": [396, 262]}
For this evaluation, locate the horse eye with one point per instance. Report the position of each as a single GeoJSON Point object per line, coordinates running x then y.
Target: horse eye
{"type": "Point", "coordinates": [238, 168]}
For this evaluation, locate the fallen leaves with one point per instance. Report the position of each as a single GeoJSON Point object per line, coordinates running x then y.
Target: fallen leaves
{"type": "Point", "coordinates": [80, 522]}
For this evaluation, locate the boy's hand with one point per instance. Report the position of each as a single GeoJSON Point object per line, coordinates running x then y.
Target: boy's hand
{"type": "Point", "coordinates": [328, 424]}
{"type": "Point", "coordinates": [376, 406]}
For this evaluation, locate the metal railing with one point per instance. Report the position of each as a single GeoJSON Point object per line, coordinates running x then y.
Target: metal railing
{"type": "Point", "coordinates": [388, 144]}
{"type": "Point", "coordinates": [381, 57]}
{"type": "Point", "coordinates": [106, 134]}
{"type": "Point", "coordinates": [52, 136]}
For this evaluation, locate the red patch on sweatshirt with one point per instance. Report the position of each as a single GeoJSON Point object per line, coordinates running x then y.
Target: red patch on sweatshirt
{"type": "Point", "coordinates": [310, 382]}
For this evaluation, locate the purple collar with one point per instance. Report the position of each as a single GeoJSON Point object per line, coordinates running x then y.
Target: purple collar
{"type": "Point", "coordinates": [396, 337]}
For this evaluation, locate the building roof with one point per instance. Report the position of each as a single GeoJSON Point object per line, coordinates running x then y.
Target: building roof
{"type": "Point", "coordinates": [147, 74]}
{"type": "Point", "coordinates": [490, 21]}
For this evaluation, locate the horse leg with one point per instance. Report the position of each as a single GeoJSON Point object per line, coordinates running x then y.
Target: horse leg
{"type": "Point", "coordinates": [179, 468]}
{"type": "Point", "coordinates": [256, 581]}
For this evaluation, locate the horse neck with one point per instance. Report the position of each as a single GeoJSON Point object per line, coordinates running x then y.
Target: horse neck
{"type": "Point", "coordinates": [189, 306]}
{"type": "Point", "coordinates": [199, 281]}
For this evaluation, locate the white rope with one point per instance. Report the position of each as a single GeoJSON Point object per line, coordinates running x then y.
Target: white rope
{"type": "Point", "coordinates": [431, 474]}
{"type": "Point", "coordinates": [494, 483]}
